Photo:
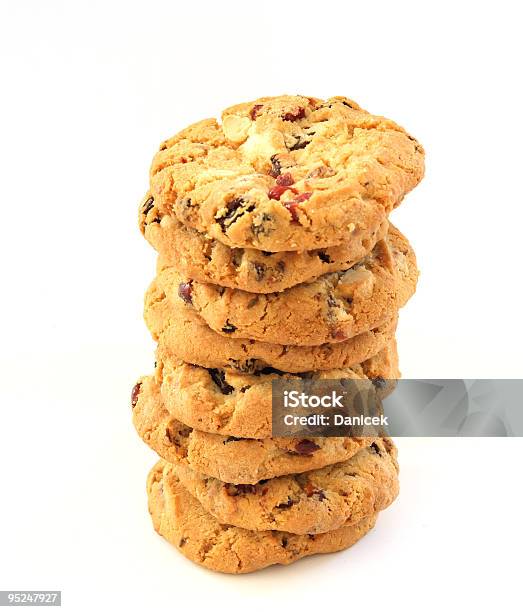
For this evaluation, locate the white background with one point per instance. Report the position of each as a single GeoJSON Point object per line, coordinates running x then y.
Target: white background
{"type": "Point", "coordinates": [88, 91]}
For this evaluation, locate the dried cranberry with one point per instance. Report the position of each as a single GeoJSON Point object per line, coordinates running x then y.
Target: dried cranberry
{"type": "Point", "coordinates": [185, 292]}
{"type": "Point", "coordinates": [135, 393]}
{"type": "Point", "coordinates": [338, 334]}
{"type": "Point", "coordinates": [306, 447]}
{"type": "Point", "coordinates": [292, 207]}
{"type": "Point", "coordinates": [276, 192]}
{"type": "Point", "coordinates": [285, 180]}
{"type": "Point", "coordinates": [294, 115]}
{"type": "Point", "coordinates": [303, 197]}
{"type": "Point", "coordinates": [255, 111]}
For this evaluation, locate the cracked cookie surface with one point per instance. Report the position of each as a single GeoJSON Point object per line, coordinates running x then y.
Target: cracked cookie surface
{"type": "Point", "coordinates": [286, 173]}
{"type": "Point", "coordinates": [333, 308]}
{"type": "Point", "coordinates": [232, 403]}
{"type": "Point", "coordinates": [183, 334]}
{"type": "Point", "coordinates": [335, 496]}
{"type": "Point", "coordinates": [183, 522]}
{"type": "Point", "coordinates": [227, 458]}
{"type": "Point", "coordinates": [208, 260]}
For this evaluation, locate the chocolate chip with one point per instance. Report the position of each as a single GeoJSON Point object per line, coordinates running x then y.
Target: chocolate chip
{"type": "Point", "coordinates": [280, 266]}
{"type": "Point", "coordinates": [379, 382]}
{"type": "Point", "coordinates": [185, 202]}
{"type": "Point", "coordinates": [300, 143]}
{"type": "Point", "coordinates": [249, 366]}
{"type": "Point", "coordinates": [231, 439]}
{"type": "Point", "coordinates": [261, 226]}
{"type": "Point", "coordinates": [218, 377]}
{"type": "Point", "coordinates": [260, 269]}
{"type": "Point", "coordinates": [376, 448]}
{"type": "Point", "coordinates": [347, 104]}
{"type": "Point", "coordinates": [233, 490]}
{"type": "Point", "coordinates": [182, 542]}
{"type": "Point", "coordinates": [324, 257]}
{"type": "Point", "coordinates": [236, 257]}
{"type": "Point", "coordinates": [332, 302]}
{"type": "Point", "coordinates": [156, 220]}
{"type": "Point", "coordinates": [275, 166]}
{"type": "Point", "coordinates": [149, 203]}
{"type": "Point", "coordinates": [234, 210]}
{"type": "Point", "coordinates": [135, 393]}
{"type": "Point", "coordinates": [286, 504]}
{"type": "Point", "coordinates": [229, 328]}
{"type": "Point", "coordinates": [284, 541]}
{"type": "Point", "coordinates": [306, 447]}
{"type": "Point", "coordinates": [185, 292]}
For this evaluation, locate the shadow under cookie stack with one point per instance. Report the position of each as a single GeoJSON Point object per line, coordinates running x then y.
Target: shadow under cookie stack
{"type": "Point", "coordinates": [276, 261]}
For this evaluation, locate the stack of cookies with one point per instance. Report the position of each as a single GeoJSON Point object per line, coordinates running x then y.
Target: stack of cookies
{"type": "Point", "coordinates": [276, 261]}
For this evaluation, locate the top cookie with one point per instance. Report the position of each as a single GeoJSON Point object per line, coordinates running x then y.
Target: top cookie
{"type": "Point", "coordinates": [286, 173]}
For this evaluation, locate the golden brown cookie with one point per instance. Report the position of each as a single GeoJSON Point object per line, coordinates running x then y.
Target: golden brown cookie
{"type": "Point", "coordinates": [231, 459]}
{"type": "Point", "coordinates": [333, 308]}
{"type": "Point", "coordinates": [233, 403]}
{"type": "Point", "coordinates": [313, 502]}
{"type": "Point", "coordinates": [182, 334]}
{"type": "Point", "coordinates": [183, 522]}
{"type": "Point", "coordinates": [286, 173]}
{"type": "Point", "coordinates": [198, 256]}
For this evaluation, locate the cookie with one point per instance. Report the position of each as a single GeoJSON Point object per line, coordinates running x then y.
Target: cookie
{"type": "Point", "coordinates": [181, 333]}
{"type": "Point", "coordinates": [183, 522]}
{"type": "Point", "coordinates": [231, 459]}
{"type": "Point", "coordinates": [286, 173]}
{"type": "Point", "coordinates": [197, 256]}
{"type": "Point", "coordinates": [333, 308]}
{"type": "Point", "coordinates": [232, 403]}
{"type": "Point", "coordinates": [335, 496]}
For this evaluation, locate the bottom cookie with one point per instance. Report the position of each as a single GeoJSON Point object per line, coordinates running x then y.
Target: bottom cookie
{"type": "Point", "coordinates": [183, 522]}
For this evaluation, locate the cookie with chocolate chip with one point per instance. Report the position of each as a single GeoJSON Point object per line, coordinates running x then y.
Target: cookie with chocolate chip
{"type": "Point", "coordinates": [321, 500]}
{"type": "Point", "coordinates": [232, 403]}
{"type": "Point", "coordinates": [181, 520]}
{"type": "Point", "coordinates": [333, 308]}
{"type": "Point", "coordinates": [228, 458]}
{"type": "Point", "coordinates": [286, 173]}
{"type": "Point", "coordinates": [183, 334]}
{"type": "Point", "coordinates": [198, 256]}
